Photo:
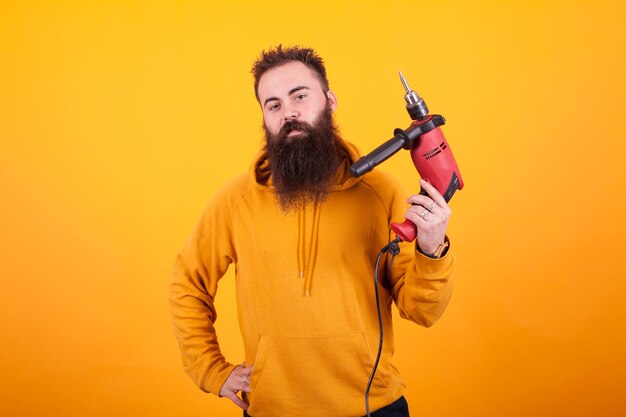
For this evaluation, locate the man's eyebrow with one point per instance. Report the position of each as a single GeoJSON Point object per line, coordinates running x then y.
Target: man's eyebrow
{"type": "Point", "coordinates": [302, 87]}
{"type": "Point", "coordinates": [293, 90]}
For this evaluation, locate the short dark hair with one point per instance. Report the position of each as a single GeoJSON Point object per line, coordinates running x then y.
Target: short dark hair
{"type": "Point", "coordinates": [280, 56]}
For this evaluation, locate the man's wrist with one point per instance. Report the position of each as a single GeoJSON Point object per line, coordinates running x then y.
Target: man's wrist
{"type": "Point", "coordinates": [440, 252]}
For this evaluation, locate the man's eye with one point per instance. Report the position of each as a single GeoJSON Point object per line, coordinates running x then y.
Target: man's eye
{"type": "Point", "coordinates": [273, 107]}
{"type": "Point", "coordinates": [300, 97]}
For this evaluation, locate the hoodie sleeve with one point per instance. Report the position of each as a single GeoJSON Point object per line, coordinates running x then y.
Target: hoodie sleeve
{"type": "Point", "coordinates": [199, 266]}
{"type": "Point", "coordinates": [421, 287]}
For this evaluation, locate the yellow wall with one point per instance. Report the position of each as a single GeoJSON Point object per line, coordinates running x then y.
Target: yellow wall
{"type": "Point", "coordinates": [119, 119]}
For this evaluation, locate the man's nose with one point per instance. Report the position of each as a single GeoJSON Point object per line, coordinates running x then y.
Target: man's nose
{"type": "Point", "coordinates": [291, 113]}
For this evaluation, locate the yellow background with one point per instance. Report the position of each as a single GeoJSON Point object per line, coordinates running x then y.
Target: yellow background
{"type": "Point", "coordinates": [119, 119]}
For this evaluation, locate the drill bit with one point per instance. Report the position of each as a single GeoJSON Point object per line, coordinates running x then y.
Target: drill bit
{"type": "Point", "coordinates": [414, 104]}
{"type": "Point", "coordinates": [404, 83]}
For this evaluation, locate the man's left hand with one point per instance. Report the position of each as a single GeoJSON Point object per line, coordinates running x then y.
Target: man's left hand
{"type": "Point", "coordinates": [430, 214]}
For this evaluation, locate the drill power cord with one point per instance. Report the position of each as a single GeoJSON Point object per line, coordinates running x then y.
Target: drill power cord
{"type": "Point", "coordinates": [392, 248]}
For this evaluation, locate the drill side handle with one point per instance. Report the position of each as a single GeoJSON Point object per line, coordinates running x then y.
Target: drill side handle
{"type": "Point", "coordinates": [367, 163]}
{"type": "Point", "coordinates": [403, 138]}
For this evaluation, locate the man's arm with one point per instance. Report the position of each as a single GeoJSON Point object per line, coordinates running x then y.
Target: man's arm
{"type": "Point", "coordinates": [420, 284]}
{"type": "Point", "coordinates": [201, 263]}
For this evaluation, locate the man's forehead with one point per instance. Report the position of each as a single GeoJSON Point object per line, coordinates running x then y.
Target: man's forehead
{"type": "Point", "coordinates": [281, 80]}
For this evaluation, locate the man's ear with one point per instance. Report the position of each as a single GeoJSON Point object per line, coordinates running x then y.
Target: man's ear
{"type": "Point", "coordinates": [332, 99]}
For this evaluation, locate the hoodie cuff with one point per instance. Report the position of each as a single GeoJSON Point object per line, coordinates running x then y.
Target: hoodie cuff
{"type": "Point", "coordinates": [215, 378]}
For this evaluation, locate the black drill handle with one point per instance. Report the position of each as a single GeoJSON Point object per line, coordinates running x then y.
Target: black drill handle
{"type": "Point", "coordinates": [367, 163]}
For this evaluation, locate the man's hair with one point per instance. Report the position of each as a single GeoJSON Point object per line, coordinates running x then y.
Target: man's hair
{"type": "Point", "coordinates": [278, 56]}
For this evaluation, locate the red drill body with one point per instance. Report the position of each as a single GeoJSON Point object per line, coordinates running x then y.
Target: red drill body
{"type": "Point", "coordinates": [435, 163]}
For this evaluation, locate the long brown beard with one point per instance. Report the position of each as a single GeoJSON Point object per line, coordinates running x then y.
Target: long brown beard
{"type": "Point", "coordinates": [304, 166]}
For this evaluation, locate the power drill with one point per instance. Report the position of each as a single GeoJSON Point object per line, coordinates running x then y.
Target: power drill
{"type": "Point", "coordinates": [430, 153]}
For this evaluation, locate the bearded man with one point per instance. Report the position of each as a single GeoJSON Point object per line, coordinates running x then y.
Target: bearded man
{"type": "Point", "coordinates": [303, 236]}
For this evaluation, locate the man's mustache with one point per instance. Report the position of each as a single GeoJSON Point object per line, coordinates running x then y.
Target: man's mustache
{"type": "Point", "coordinates": [292, 125]}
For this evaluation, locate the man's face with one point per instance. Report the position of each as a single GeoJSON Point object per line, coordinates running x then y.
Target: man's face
{"type": "Point", "coordinates": [301, 138]}
{"type": "Point", "coordinates": [292, 92]}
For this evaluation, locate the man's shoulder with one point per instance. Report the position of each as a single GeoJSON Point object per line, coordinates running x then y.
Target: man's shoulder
{"type": "Point", "coordinates": [383, 182]}
{"type": "Point", "coordinates": [227, 197]}
{"type": "Point", "coordinates": [385, 188]}
{"type": "Point", "coordinates": [234, 189]}
{"type": "Point", "coordinates": [238, 183]}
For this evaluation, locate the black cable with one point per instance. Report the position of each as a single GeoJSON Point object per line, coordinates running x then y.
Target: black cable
{"type": "Point", "coordinates": [394, 249]}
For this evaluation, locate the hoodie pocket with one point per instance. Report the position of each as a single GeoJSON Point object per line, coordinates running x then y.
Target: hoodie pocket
{"type": "Point", "coordinates": [327, 374]}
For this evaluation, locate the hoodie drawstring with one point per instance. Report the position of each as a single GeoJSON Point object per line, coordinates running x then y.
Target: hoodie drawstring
{"type": "Point", "coordinates": [301, 223]}
{"type": "Point", "coordinates": [306, 268]}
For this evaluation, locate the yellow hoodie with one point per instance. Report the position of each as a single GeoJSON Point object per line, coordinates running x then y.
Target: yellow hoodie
{"type": "Point", "coordinates": [305, 293]}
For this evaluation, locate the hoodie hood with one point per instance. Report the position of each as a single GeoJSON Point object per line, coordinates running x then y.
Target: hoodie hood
{"type": "Point", "coordinates": [261, 175]}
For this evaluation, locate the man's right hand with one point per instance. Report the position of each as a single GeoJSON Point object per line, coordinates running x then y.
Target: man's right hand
{"type": "Point", "coordinates": [238, 380]}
